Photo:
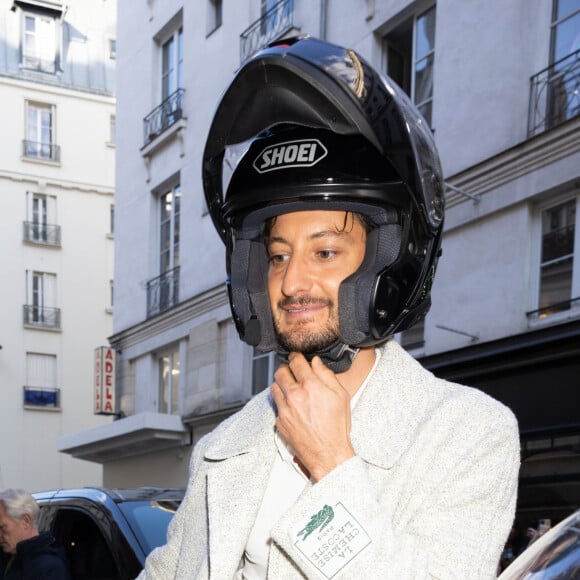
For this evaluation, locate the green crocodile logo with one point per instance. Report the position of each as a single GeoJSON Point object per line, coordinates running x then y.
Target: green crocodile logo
{"type": "Point", "coordinates": [319, 520]}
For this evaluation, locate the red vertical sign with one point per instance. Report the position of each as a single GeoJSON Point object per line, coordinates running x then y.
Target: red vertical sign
{"type": "Point", "coordinates": [104, 391]}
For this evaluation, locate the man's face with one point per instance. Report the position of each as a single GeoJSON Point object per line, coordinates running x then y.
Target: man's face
{"type": "Point", "coordinates": [13, 531]}
{"type": "Point", "coordinates": [311, 253]}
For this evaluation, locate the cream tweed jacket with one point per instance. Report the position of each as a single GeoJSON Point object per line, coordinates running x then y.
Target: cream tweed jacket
{"type": "Point", "coordinates": [430, 494]}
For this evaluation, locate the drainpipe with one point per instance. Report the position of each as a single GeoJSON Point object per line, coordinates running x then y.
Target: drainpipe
{"type": "Point", "coordinates": [323, 19]}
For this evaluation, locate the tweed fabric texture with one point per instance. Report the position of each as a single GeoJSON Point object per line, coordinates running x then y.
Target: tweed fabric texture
{"type": "Point", "coordinates": [433, 488]}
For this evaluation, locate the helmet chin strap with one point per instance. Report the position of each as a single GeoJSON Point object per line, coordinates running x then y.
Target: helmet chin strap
{"type": "Point", "coordinates": [338, 357]}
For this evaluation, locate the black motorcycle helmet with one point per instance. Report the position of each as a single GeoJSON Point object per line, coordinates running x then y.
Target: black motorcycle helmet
{"type": "Point", "coordinates": [318, 128]}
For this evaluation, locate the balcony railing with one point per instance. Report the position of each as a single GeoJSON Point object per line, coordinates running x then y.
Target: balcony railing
{"type": "Point", "coordinates": [41, 316]}
{"type": "Point", "coordinates": [555, 94]}
{"type": "Point", "coordinates": [40, 150]}
{"type": "Point", "coordinates": [43, 397]}
{"type": "Point", "coordinates": [272, 25]}
{"type": "Point", "coordinates": [40, 233]}
{"type": "Point", "coordinates": [163, 292]}
{"type": "Point", "coordinates": [553, 308]}
{"type": "Point", "coordinates": [163, 116]}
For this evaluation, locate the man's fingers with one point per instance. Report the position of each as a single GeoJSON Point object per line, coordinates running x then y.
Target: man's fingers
{"type": "Point", "coordinates": [299, 366]}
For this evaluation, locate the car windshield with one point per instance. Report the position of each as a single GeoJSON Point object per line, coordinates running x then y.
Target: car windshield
{"type": "Point", "coordinates": [556, 555]}
{"type": "Point", "coordinates": [149, 520]}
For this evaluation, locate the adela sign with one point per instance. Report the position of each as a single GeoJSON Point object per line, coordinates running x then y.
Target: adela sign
{"type": "Point", "coordinates": [104, 381]}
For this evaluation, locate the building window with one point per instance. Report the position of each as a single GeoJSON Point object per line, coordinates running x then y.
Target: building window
{"type": "Point", "coordinates": [40, 132]}
{"type": "Point", "coordinates": [172, 65]}
{"type": "Point", "coordinates": [163, 291]}
{"type": "Point", "coordinates": [559, 282]}
{"type": "Point", "coordinates": [274, 14]}
{"type": "Point", "coordinates": [41, 389]}
{"type": "Point", "coordinates": [112, 130]}
{"type": "Point", "coordinates": [112, 48]}
{"type": "Point", "coordinates": [39, 42]}
{"type": "Point", "coordinates": [410, 55]}
{"type": "Point", "coordinates": [40, 227]}
{"type": "Point", "coordinates": [170, 110]}
{"type": "Point", "coordinates": [264, 365]}
{"type": "Point", "coordinates": [39, 216]}
{"type": "Point", "coordinates": [169, 382]}
{"type": "Point", "coordinates": [276, 19]}
{"type": "Point", "coordinates": [40, 309]}
{"type": "Point", "coordinates": [214, 15]}
{"type": "Point", "coordinates": [111, 219]}
{"type": "Point", "coordinates": [169, 229]}
{"type": "Point", "coordinates": [564, 97]}
{"type": "Point", "coordinates": [565, 29]}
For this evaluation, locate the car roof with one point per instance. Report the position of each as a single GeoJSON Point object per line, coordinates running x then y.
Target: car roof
{"type": "Point", "coordinates": [102, 494]}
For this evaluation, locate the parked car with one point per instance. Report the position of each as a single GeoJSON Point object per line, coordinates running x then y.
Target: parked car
{"type": "Point", "coordinates": [108, 533]}
{"type": "Point", "coordinates": [555, 555]}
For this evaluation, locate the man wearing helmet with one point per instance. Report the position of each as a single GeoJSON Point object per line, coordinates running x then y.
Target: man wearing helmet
{"type": "Point", "coordinates": [357, 462]}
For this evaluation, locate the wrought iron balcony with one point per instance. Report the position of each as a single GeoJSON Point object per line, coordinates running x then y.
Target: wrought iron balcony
{"type": "Point", "coordinates": [40, 233]}
{"type": "Point", "coordinates": [41, 397]}
{"type": "Point", "coordinates": [272, 25]}
{"type": "Point", "coordinates": [555, 94]}
{"type": "Point", "coordinates": [40, 150]}
{"type": "Point", "coordinates": [163, 116]}
{"type": "Point", "coordinates": [163, 292]}
{"type": "Point", "coordinates": [41, 316]}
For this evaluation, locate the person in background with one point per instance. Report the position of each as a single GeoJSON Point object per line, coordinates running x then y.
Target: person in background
{"type": "Point", "coordinates": [357, 463]}
{"type": "Point", "coordinates": [28, 553]}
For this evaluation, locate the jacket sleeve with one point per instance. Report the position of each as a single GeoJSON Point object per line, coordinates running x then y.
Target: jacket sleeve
{"type": "Point", "coordinates": [162, 563]}
{"type": "Point", "coordinates": [450, 520]}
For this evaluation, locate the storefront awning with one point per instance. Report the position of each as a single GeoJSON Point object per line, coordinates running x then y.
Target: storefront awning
{"type": "Point", "coordinates": [128, 437]}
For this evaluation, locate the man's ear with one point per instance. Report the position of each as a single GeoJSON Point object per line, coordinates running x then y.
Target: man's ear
{"type": "Point", "coordinates": [27, 521]}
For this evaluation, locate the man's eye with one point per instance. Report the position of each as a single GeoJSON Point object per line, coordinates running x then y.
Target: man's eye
{"type": "Point", "coordinates": [277, 258]}
{"type": "Point", "coordinates": [326, 254]}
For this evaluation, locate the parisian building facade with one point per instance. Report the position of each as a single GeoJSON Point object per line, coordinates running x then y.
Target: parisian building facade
{"type": "Point", "coordinates": [505, 112]}
{"type": "Point", "coordinates": [57, 164]}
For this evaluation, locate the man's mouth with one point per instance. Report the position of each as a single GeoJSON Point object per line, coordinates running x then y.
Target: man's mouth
{"type": "Point", "coordinates": [293, 305]}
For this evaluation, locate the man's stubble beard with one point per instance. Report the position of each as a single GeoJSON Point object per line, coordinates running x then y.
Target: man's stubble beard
{"type": "Point", "coordinates": [298, 338]}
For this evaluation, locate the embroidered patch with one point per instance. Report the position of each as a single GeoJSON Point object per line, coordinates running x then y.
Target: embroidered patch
{"type": "Point", "coordinates": [331, 540]}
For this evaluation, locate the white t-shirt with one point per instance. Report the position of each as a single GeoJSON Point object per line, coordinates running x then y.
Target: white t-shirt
{"type": "Point", "coordinates": [287, 481]}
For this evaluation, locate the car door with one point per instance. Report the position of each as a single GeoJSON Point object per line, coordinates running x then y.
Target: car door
{"type": "Point", "coordinates": [89, 535]}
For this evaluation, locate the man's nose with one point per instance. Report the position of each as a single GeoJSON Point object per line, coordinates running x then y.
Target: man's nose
{"type": "Point", "coordinates": [297, 276]}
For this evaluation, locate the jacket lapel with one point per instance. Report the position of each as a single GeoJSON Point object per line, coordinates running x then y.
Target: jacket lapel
{"type": "Point", "coordinates": [390, 408]}
{"type": "Point", "coordinates": [242, 455]}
